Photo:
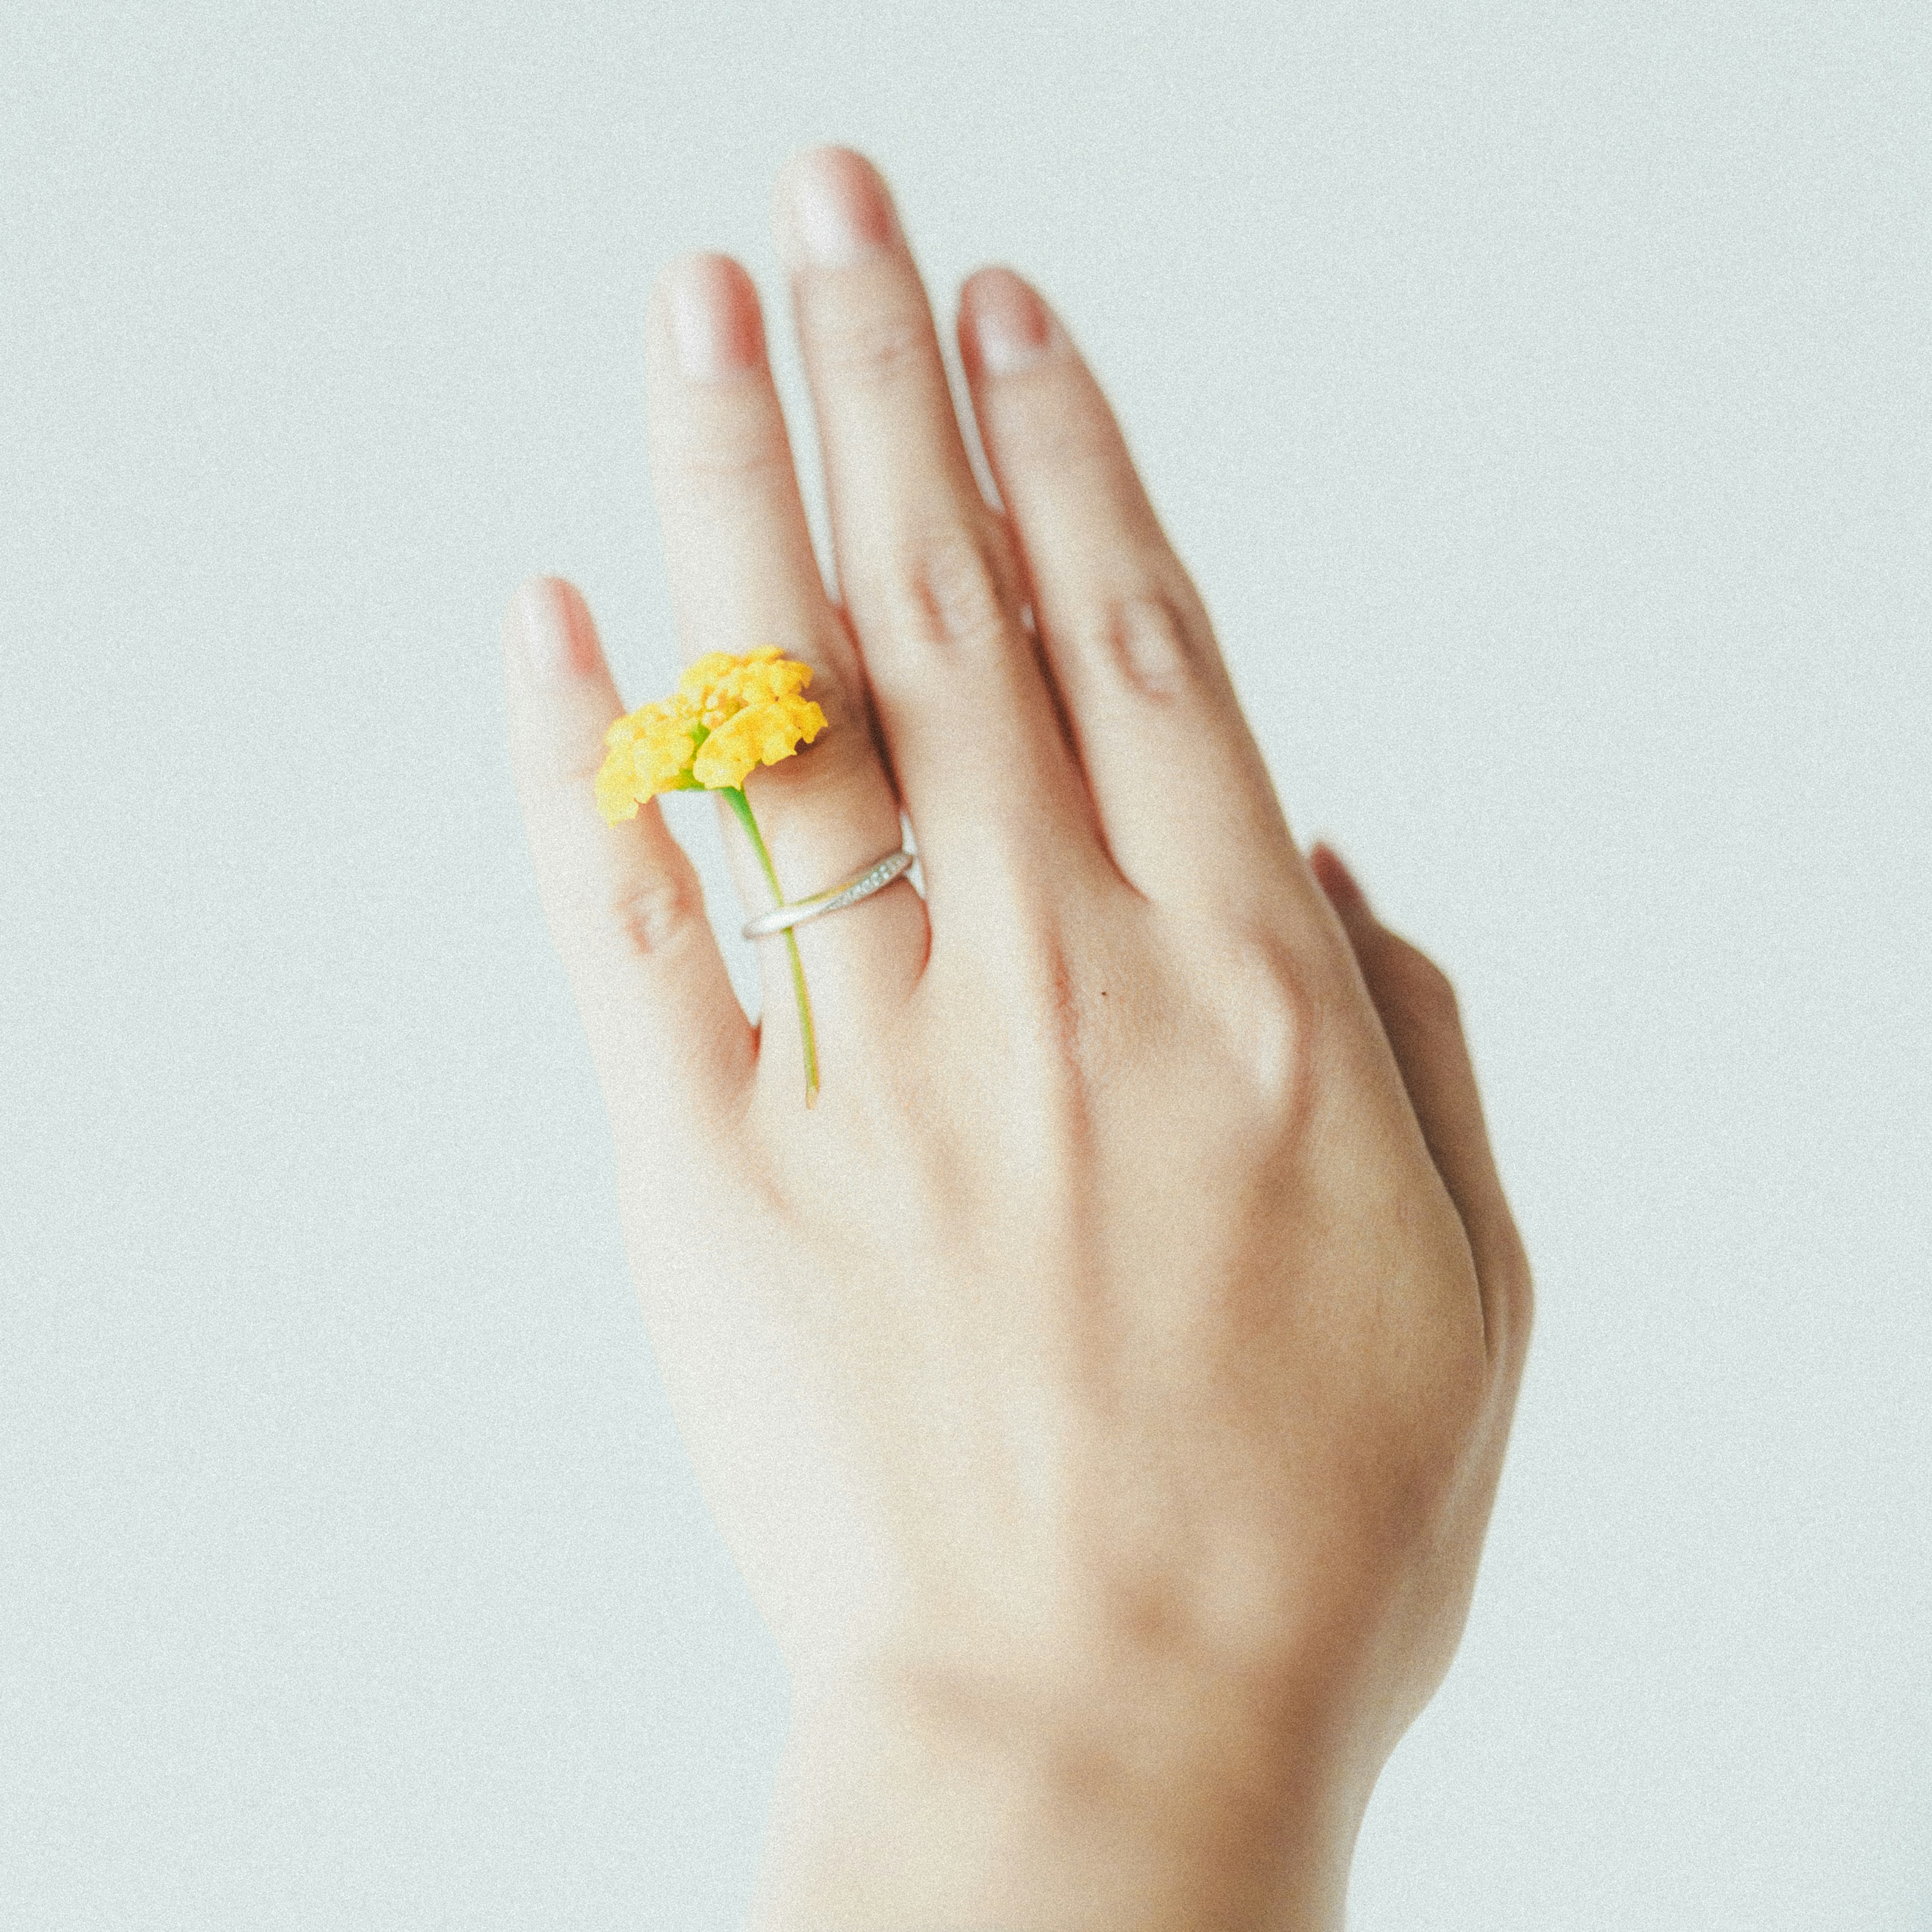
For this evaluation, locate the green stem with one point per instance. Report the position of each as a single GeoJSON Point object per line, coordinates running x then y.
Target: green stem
{"type": "Point", "coordinates": [742, 806]}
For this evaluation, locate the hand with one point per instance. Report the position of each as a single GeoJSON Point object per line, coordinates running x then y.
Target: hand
{"type": "Point", "coordinates": [1104, 1387]}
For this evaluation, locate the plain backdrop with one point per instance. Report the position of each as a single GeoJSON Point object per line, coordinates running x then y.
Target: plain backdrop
{"type": "Point", "coordinates": [1539, 395]}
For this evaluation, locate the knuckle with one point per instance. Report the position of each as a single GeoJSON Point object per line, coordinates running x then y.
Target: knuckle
{"type": "Point", "coordinates": [728, 469]}
{"type": "Point", "coordinates": [647, 911]}
{"type": "Point", "coordinates": [1272, 1006]}
{"type": "Point", "coordinates": [956, 592]}
{"type": "Point", "coordinates": [1147, 641]}
{"type": "Point", "coordinates": [874, 351]}
{"type": "Point", "coordinates": [1061, 1041]}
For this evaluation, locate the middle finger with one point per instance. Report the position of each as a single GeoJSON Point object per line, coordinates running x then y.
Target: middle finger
{"type": "Point", "coordinates": [927, 570]}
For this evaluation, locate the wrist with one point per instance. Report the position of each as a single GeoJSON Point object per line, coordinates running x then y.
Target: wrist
{"type": "Point", "coordinates": [920, 1795]}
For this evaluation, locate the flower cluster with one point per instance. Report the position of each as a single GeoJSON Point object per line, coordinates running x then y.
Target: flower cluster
{"type": "Point", "coordinates": [729, 714]}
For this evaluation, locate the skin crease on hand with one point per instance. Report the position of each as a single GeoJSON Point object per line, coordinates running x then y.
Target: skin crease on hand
{"type": "Point", "coordinates": [1104, 1387]}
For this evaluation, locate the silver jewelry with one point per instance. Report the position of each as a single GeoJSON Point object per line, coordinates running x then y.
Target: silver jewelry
{"type": "Point", "coordinates": [879, 874]}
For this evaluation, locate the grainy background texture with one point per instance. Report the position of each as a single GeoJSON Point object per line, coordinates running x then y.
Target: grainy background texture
{"type": "Point", "coordinates": [1540, 396]}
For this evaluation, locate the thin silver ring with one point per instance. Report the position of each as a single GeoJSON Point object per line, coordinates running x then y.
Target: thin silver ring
{"type": "Point", "coordinates": [879, 874]}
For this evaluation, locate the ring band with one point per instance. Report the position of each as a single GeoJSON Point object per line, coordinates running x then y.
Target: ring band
{"type": "Point", "coordinates": [879, 874]}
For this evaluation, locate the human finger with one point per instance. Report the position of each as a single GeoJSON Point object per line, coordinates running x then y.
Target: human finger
{"type": "Point", "coordinates": [739, 553]}
{"type": "Point", "coordinates": [1419, 1014]}
{"type": "Point", "coordinates": [1126, 634]}
{"type": "Point", "coordinates": [623, 902]}
{"type": "Point", "coordinates": [926, 567]}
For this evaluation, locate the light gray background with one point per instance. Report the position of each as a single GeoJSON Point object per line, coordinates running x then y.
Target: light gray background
{"type": "Point", "coordinates": [1540, 396]}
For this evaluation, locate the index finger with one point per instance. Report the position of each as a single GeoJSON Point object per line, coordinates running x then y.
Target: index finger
{"type": "Point", "coordinates": [1185, 800]}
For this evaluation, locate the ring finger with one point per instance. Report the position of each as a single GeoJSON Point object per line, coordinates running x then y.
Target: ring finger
{"type": "Point", "coordinates": [742, 572]}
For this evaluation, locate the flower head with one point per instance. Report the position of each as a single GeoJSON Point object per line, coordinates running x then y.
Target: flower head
{"type": "Point", "coordinates": [728, 715]}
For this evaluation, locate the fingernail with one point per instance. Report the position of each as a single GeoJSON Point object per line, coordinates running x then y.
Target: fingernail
{"type": "Point", "coordinates": [1336, 879]}
{"type": "Point", "coordinates": [714, 319]}
{"type": "Point", "coordinates": [839, 210]}
{"type": "Point", "coordinates": [1011, 327]}
{"type": "Point", "coordinates": [558, 642]}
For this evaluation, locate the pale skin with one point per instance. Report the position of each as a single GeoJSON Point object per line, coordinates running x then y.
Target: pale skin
{"type": "Point", "coordinates": [1103, 1387]}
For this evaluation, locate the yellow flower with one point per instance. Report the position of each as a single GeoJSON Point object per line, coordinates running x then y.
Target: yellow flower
{"type": "Point", "coordinates": [728, 714]}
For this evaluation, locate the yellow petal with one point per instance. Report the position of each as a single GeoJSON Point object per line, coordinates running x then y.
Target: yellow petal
{"type": "Point", "coordinates": [760, 734]}
{"type": "Point", "coordinates": [774, 677]}
{"type": "Point", "coordinates": [698, 678]}
{"type": "Point", "coordinates": [663, 753]}
{"type": "Point", "coordinates": [646, 750]}
{"type": "Point", "coordinates": [719, 686]}
{"type": "Point", "coordinates": [617, 784]}
{"type": "Point", "coordinates": [752, 707]}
